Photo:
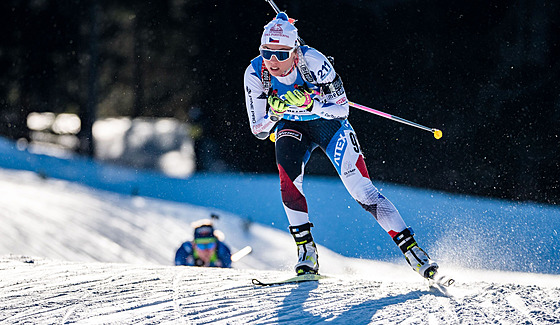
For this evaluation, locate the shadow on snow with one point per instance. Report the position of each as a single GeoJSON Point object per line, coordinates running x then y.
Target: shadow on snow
{"type": "Point", "coordinates": [292, 309]}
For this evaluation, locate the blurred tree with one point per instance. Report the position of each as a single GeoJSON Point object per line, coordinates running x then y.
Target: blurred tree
{"type": "Point", "coordinates": [39, 55]}
{"type": "Point", "coordinates": [88, 112]}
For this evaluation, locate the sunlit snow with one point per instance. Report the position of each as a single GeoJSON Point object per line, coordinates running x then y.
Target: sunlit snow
{"type": "Point", "coordinates": [73, 254]}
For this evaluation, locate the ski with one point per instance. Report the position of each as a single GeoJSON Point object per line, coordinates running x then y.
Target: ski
{"type": "Point", "coordinates": [441, 281]}
{"type": "Point", "coordinates": [296, 279]}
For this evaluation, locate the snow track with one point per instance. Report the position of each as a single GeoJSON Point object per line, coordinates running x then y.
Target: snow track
{"type": "Point", "coordinates": [49, 291]}
{"type": "Point", "coordinates": [60, 221]}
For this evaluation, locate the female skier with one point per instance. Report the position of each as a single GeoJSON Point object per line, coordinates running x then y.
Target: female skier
{"type": "Point", "coordinates": [294, 92]}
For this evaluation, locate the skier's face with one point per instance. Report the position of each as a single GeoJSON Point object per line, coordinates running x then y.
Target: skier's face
{"type": "Point", "coordinates": [205, 255]}
{"type": "Point", "coordinates": [279, 68]}
{"type": "Point", "coordinates": [205, 250]}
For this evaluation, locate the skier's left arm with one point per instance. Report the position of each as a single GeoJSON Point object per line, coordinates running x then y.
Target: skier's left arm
{"type": "Point", "coordinates": [331, 103]}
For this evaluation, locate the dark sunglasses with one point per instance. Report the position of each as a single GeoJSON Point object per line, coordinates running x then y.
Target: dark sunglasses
{"type": "Point", "coordinates": [281, 55]}
{"type": "Point", "coordinates": [206, 246]}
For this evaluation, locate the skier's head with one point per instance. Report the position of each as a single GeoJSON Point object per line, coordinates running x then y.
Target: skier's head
{"type": "Point", "coordinates": [203, 229]}
{"type": "Point", "coordinates": [279, 43]}
{"type": "Point", "coordinates": [205, 241]}
{"type": "Point", "coordinates": [280, 31]}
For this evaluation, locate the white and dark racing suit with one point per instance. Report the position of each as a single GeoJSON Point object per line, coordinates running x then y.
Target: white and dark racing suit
{"type": "Point", "coordinates": [300, 131]}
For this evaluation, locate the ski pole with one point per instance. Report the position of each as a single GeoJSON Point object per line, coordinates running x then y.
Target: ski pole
{"type": "Point", "coordinates": [437, 133]}
{"type": "Point", "coordinates": [273, 5]}
{"type": "Point", "coordinates": [241, 253]}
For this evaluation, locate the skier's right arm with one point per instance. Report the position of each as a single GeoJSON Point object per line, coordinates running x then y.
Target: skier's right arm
{"type": "Point", "coordinates": [256, 100]}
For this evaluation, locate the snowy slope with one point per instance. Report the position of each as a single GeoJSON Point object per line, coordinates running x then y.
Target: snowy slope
{"type": "Point", "coordinates": [72, 254]}
{"type": "Point", "coordinates": [61, 220]}
{"type": "Point", "coordinates": [49, 292]}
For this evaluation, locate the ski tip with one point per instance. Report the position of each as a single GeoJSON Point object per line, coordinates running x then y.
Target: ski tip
{"type": "Point", "coordinates": [442, 281]}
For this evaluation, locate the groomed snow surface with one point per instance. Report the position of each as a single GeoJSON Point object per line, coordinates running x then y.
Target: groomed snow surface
{"type": "Point", "coordinates": [71, 254]}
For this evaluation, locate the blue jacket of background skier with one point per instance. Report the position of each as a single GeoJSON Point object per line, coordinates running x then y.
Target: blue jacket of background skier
{"type": "Point", "coordinates": [185, 255]}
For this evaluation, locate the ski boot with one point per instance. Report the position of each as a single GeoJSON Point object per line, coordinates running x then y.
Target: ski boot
{"type": "Point", "coordinates": [307, 251]}
{"type": "Point", "coordinates": [415, 256]}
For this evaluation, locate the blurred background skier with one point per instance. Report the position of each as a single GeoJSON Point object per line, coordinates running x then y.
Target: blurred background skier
{"type": "Point", "coordinates": [206, 249]}
{"type": "Point", "coordinates": [293, 94]}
